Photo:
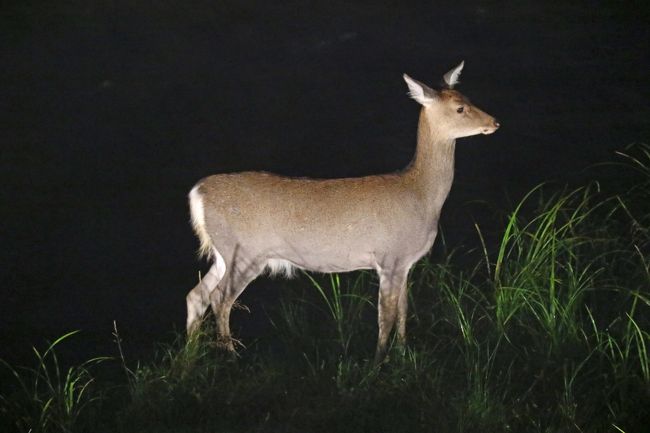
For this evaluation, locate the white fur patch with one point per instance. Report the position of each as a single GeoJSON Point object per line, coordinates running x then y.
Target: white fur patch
{"type": "Point", "coordinates": [219, 264]}
{"type": "Point", "coordinates": [280, 267]}
{"type": "Point", "coordinates": [198, 223]}
{"type": "Point", "coordinates": [418, 91]}
{"type": "Point", "coordinates": [214, 275]}
{"type": "Point", "coordinates": [452, 77]}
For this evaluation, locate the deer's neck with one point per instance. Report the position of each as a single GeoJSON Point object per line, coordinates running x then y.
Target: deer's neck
{"type": "Point", "coordinates": [432, 168]}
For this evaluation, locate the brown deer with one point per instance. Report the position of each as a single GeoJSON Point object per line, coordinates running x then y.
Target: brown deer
{"type": "Point", "coordinates": [251, 221]}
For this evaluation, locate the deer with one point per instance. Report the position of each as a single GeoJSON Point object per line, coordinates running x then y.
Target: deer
{"type": "Point", "coordinates": [249, 223]}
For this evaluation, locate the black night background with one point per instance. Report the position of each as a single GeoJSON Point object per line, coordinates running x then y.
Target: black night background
{"type": "Point", "coordinates": [112, 110]}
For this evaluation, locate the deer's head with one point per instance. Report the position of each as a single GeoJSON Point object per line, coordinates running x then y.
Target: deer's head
{"type": "Point", "coordinates": [448, 110]}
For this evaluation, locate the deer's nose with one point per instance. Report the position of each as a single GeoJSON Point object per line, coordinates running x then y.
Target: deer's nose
{"type": "Point", "coordinates": [496, 123]}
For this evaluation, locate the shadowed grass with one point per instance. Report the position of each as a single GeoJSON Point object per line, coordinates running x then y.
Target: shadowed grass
{"type": "Point", "coordinates": [48, 397]}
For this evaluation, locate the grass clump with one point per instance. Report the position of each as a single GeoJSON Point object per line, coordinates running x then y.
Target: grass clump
{"type": "Point", "coordinates": [48, 397]}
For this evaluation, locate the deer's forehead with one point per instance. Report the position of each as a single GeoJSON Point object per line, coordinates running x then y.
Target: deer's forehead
{"type": "Point", "coordinates": [453, 96]}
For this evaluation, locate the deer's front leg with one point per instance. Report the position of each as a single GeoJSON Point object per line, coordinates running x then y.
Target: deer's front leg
{"type": "Point", "coordinates": [391, 283]}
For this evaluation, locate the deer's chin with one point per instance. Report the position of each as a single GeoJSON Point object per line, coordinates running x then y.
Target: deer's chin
{"type": "Point", "coordinates": [488, 131]}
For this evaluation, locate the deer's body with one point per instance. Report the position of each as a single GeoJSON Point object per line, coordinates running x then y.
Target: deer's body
{"type": "Point", "coordinates": [251, 221]}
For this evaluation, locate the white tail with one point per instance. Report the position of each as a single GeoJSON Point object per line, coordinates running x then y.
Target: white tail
{"type": "Point", "coordinates": [250, 221]}
{"type": "Point", "coordinates": [198, 223]}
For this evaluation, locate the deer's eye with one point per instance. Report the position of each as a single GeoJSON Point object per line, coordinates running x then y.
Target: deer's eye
{"type": "Point", "coordinates": [460, 109]}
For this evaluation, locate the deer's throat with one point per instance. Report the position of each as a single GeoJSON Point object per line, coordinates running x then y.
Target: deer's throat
{"type": "Point", "coordinates": [432, 168]}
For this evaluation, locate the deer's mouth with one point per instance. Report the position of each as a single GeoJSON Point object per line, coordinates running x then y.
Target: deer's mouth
{"type": "Point", "coordinates": [491, 128]}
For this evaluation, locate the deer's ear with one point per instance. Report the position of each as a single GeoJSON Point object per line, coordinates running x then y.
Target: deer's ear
{"type": "Point", "coordinates": [451, 77]}
{"type": "Point", "coordinates": [420, 92]}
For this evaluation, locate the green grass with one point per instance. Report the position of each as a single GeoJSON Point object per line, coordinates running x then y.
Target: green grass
{"type": "Point", "coordinates": [48, 397]}
{"type": "Point", "coordinates": [546, 331]}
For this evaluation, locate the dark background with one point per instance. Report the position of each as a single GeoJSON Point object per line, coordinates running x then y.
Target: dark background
{"type": "Point", "coordinates": [112, 110]}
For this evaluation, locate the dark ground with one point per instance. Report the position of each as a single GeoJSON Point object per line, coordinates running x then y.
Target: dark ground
{"type": "Point", "coordinates": [112, 110]}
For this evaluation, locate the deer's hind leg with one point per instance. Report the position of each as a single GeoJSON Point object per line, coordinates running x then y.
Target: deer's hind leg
{"type": "Point", "coordinates": [198, 299]}
{"type": "Point", "coordinates": [240, 272]}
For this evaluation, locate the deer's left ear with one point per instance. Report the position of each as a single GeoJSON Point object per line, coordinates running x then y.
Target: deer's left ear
{"type": "Point", "coordinates": [451, 77]}
{"type": "Point", "coordinates": [420, 92]}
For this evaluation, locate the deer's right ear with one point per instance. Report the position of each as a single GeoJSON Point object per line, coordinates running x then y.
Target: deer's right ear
{"type": "Point", "coordinates": [419, 91]}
